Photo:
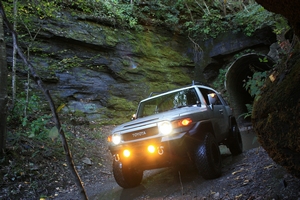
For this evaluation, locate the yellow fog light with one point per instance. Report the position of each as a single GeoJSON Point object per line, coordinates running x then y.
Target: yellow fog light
{"type": "Point", "coordinates": [151, 148]}
{"type": "Point", "coordinates": [126, 153]}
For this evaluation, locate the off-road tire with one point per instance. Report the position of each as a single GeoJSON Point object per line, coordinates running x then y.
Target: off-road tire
{"type": "Point", "coordinates": [208, 158]}
{"type": "Point", "coordinates": [235, 143]}
{"type": "Point", "coordinates": [125, 176]}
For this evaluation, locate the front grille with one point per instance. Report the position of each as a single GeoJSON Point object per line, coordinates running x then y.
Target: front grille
{"type": "Point", "coordinates": [140, 134]}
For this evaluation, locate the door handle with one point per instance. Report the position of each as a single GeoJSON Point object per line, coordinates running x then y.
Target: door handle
{"type": "Point", "coordinates": [221, 111]}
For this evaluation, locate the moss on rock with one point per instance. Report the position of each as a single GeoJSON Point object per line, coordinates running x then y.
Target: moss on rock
{"type": "Point", "coordinates": [276, 117]}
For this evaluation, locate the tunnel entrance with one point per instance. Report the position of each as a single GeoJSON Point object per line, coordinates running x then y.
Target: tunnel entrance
{"type": "Point", "coordinates": [236, 76]}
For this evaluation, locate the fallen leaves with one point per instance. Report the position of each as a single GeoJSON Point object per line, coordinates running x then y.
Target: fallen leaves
{"type": "Point", "coordinates": [269, 166]}
{"type": "Point", "coordinates": [235, 172]}
{"type": "Point", "coordinates": [273, 76]}
{"type": "Point", "coordinates": [246, 182]}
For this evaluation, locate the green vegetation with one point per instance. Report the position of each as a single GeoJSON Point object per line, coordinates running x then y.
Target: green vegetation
{"type": "Point", "coordinates": [249, 111]}
{"type": "Point", "coordinates": [254, 18]}
{"type": "Point", "coordinates": [254, 84]}
{"type": "Point", "coordinates": [31, 127]}
{"type": "Point", "coordinates": [202, 19]}
{"type": "Point", "coordinates": [122, 110]}
{"type": "Point", "coordinates": [205, 19]}
{"type": "Point", "coordinates": [29, 113]}
{"type": "Point", "coordinates": [120, 104]}
{"type": "Point", "coordinates": [219, 83]}
{"type": "Point", "coordinates": [208, 19]}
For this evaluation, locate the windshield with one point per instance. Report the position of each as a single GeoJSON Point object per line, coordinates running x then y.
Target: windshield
{"type": "Point", "coordinates": [179, 99]}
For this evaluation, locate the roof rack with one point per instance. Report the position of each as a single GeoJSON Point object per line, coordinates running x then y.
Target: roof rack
{"type": "Point", "coordinates": [199, 83]}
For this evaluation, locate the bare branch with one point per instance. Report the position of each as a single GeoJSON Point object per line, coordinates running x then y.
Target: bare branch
{"type": "Point", "coordinates": [189, 11]}
{"type": "Point", "coordinates": [39, 82]}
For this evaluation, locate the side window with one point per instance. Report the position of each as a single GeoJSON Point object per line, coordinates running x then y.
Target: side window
{"type": "Point", "coordinates": [205, 94]}
{"type": "Point", "coordinates": [224, 101]}
{"type": "Point", "coordinates": [218, 101]}
{"type": "Point", "coordinates": [191, 97]}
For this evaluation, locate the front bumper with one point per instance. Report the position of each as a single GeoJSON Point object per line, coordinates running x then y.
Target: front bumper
{"type": "Point", "coordinates": [167, 151]}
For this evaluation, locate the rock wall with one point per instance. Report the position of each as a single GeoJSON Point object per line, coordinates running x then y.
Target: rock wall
{"type": "Point", "coordinates": [219, 52]}
{"type": "Point", "coordinates": [276, 115]}
{"type": "Point", "coordinates": [287, 8]}
{"type": "Point", "coordinates": [276, 118]}
{"type": "Point", "coordinates": [100, 69]}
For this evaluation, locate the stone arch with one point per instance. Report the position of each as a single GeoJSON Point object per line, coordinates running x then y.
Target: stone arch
{"type": "Point", "coordinates": [239, 70]}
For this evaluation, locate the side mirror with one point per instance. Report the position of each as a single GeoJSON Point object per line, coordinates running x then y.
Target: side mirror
{"type": "Point", "coordinates": [133, 117]}
{"type": "Point", "coordinates": [212, 98]}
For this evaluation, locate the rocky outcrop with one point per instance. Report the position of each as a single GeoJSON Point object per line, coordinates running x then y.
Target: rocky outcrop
{"type": "Point", "coordinates": [219, 52]}
{"type": "Point", "coordinates": [83, 61]}
{"type": "Point", "coordinates": [287, 8]}
{"type": "Point", "coordinates": [276, 114]}
{"type": "Point", "coordinates": [93, 67]}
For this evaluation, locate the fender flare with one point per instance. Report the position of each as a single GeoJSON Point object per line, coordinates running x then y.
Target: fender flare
{"type": "Point", "coordinates": [200, 128]}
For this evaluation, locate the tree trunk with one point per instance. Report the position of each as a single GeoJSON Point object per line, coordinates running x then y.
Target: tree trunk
{"type": "Point", "coordinates": [3, 90]}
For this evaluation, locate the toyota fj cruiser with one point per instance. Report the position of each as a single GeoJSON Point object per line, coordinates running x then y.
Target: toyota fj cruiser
{"type": "Point", "coordinates": [181, 126]}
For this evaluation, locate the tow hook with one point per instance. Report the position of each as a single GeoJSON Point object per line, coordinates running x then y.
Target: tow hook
{"type": "Point", "coordinates": [161, 150]}
{"type": "Point", "coordinates": [117, 157]}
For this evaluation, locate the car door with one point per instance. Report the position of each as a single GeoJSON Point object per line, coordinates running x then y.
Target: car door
{"type": "Point", "coordinates": [219, 113]}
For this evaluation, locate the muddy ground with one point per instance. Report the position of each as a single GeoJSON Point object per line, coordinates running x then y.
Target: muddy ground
{"type": "Point", "coordinates": [251, 175]}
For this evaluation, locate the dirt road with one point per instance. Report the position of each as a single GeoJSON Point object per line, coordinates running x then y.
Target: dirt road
{"type": "Point", "coordinates": [251, 175]}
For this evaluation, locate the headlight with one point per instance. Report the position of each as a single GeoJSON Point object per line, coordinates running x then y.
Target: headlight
{"type": "Point", "coordinates": [165, 127]}
{"type": "Point", "coordinates": [116, 138]}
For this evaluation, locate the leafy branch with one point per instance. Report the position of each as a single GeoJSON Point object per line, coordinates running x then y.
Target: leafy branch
{"type": "Point", "coordinates": [254, 84]}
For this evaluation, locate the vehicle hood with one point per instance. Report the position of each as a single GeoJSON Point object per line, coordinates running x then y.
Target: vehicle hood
{"type": "Point", "coordinates": [152, 120]}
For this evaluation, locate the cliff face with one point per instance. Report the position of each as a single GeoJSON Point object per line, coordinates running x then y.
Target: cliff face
{"type": "Point", "coordinates": [104, 72]}
{"type": "Point", "coordinates": [91, 66]}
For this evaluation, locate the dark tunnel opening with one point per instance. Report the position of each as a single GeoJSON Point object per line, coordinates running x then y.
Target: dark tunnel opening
{"type": "Point", "coordinates": [236, 75]}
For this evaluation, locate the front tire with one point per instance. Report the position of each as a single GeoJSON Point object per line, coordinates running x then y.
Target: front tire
{"type": "Point", "coordinates": [126, 176]}
{"type": "Point", "coordinates": [208, 158]}
{"type": "Point", "coordinates": [235, 143]}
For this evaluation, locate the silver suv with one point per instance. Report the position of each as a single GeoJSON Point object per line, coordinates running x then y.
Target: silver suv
{"type": "Point", "coordinates": [181, 126]}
